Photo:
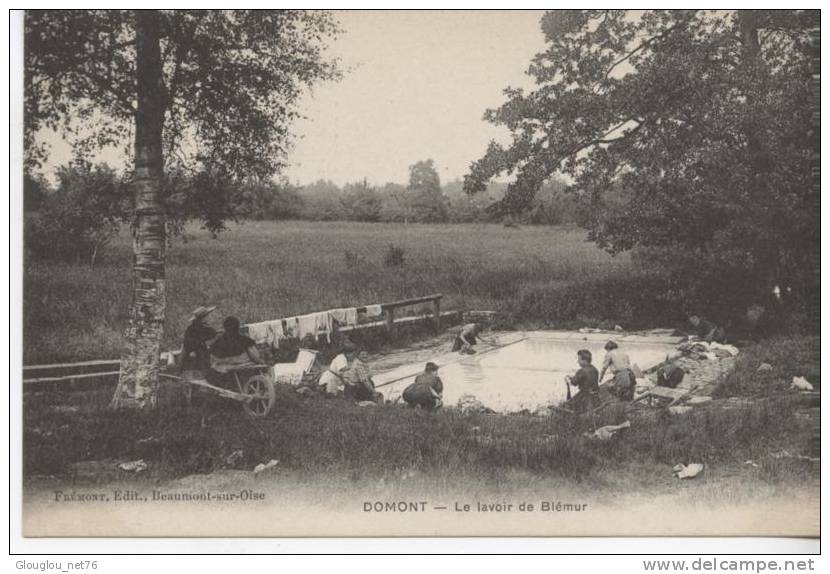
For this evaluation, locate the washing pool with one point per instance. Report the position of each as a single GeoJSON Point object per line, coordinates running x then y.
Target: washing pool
{"type": "Point", "coordinates": [523, 371]}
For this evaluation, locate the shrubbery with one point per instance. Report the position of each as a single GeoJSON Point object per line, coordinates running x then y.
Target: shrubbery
{"type": "Point", "coordinates": [394, 256]}
{"type": "Point", "coordinates": [633, 301]}
{"type": "Point", "coordinates": [80, 216]}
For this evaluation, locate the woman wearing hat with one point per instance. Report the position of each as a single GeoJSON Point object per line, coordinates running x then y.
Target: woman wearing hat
{"type": "Point", "coordinates": [195, 355]}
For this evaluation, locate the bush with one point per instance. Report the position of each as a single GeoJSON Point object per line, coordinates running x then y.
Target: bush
{"type": "Point", "coordinates": [352, 259]}
{"type": "Point", "coordinates": [634, 301]}
{"type": "Point", "coordinates": [726, 284]}
{"type": "Point", "coordinates": [359, 202]}
{"type": "Point", "coordinates": [35, 191]}
{"type": "Point", "coordinates": [394, 256]}
{"type": "Point", "coordinates": [80, 217]}
{"type": "Point", "coordinates": [268, 201]}
{"type": "Point", "coordinates": [789, 356]}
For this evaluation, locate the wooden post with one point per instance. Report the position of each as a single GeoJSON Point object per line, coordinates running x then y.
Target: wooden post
{"type": "Point", "coordinates": [390, 320]}
{"type": "Point", "coordinates": [436, 312]}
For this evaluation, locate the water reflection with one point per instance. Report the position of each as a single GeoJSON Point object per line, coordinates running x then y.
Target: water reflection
{"type": "Point", "coordinates": [525, 375]}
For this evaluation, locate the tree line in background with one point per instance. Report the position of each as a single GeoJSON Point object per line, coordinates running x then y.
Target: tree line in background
{"type": "Point", "coordinates": [78, 215]}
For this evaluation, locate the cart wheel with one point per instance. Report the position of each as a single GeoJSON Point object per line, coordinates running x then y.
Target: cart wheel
{"type": "Point", "coordinates": [261, 389]}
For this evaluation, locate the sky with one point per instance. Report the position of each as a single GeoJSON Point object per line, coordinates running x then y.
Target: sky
{"type": "Point", "coordinates": [415, 86]}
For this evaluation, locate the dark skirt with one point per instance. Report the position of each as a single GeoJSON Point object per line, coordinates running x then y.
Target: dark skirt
{"type": "Point", "coordinates": [359, 393]}
{"type": "Point", "coordinates": [458, 344]}
{"type": "Point", "coordinates": [670, 376]}
{"type": "Point", "coordinates": [420, 396]}
{"type": "Point", "coordinates": [195, 361]}
{"type": "Point", "coordinates": [623, 385]}
{"type": "Point", "coordinates": [583, 401]}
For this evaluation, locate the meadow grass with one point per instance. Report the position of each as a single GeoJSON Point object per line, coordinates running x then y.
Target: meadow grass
{"type": "Point", "coordinates": [313, 436]}
{"type": "Point", "coordinates": [787, 356]}
{"type": "Point", "coordinates": [264, 270]}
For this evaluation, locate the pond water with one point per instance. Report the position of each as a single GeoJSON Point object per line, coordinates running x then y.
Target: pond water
{"type": "Point", "coordinates": [525, 374]}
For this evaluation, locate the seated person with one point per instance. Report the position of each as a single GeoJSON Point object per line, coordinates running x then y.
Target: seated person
{"type": "Point", "coordinates": [586, 379]}
{"type": "Point", "coordinates": [195, 354]}
{"type": "Point", "coordinates": [359, 385]}
{"type": "Point", "coordinates": [426, 391]}
{"type": "Point", "coordinates": [706, 330]}
{"type": "Point", "coordinates": [332, 379]}
{"type": "Point", "coordinates": [232, 349]}
{"type": "Point", "coordinates": [624, 382]}
{"type": "Point", "coordinates": [467, 338]}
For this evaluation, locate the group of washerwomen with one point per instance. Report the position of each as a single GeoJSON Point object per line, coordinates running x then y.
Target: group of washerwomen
{"type": "Point", "coordinates": [210, 353]}
{"type": "Point", "coordinates": [207, 352]}
{"type": "Point", "coordinates": [623, 382]}
{"type": "Point", "coordinates": [349, 374]}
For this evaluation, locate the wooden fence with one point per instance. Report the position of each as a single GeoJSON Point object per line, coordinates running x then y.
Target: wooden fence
{"type": "Point", "coordinates": [89, 371]}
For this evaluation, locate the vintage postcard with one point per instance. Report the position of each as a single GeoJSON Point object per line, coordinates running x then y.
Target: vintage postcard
{"type": "Point", "coordinates": [293, 273]}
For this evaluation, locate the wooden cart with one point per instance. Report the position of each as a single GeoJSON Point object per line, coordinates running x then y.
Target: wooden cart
{"type": "Point", "coordinates": [249, 384]}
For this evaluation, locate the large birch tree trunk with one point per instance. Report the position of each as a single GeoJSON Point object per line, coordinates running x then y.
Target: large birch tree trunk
{"type": "Point", "coordinates": [138, 380]}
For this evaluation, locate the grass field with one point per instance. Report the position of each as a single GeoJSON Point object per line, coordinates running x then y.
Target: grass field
{"type": "Point", "coordinates": [264, 270]}
{"type": "Point", "coordinates": [267, 270]}
{"type": "Point", "coordinates": [315, 436]}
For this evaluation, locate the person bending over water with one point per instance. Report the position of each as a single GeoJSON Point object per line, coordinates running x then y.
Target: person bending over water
{"type": "Point", "coordinates": [426, 391]}
{"type": "Point", "coordinates": [467, 338]}
{"type": "Point", "coordinates": [617, 361]}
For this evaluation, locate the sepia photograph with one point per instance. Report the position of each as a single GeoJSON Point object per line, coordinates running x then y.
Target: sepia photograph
{"type": "Point", "coordinates": [420, 273]}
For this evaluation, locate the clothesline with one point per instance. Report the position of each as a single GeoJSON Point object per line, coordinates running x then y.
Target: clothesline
{"type": "Point", "coordinates": [315, 324]}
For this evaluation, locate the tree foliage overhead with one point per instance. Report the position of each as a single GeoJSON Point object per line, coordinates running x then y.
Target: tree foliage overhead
{"type": "Point", "coordinates": [679, 128]}
{"type": "Point", "coordinates": [231, 81]}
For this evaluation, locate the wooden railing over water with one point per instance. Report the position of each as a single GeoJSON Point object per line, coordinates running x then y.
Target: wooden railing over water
{"type": "Point", "coordinates": [102, 369]}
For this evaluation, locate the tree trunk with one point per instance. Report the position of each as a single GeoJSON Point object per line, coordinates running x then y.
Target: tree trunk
{"type": "Point", "coordinates": [138, 381]}
{"type": "Point", "coordinates": [756, 90]}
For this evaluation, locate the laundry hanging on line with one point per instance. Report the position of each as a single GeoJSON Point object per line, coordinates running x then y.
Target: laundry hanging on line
{"type": "Point", "coordinates": [346, 317]}
{"type": "Point", "coordinates": [315, 324]}
{"type": "Point", "coordinates": [259, 332]}
{"type": "Point", "coordinates": [269, 332]}
{"type": "Point", "coordinates": [374, 310]}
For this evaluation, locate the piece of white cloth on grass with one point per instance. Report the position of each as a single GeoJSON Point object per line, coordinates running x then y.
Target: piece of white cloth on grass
{"type": "Point", "coordinates": [731, 349]}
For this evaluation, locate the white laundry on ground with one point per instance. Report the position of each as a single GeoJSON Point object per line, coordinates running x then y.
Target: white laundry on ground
{"type": "Point", "coordinates": [801, 384]}
{"type": "Point", "coordinates": [292, 373]}
{"type": "Point", "coordinates": [688, 471]}
{"type": "Point", "coordinates": [731, 349]}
